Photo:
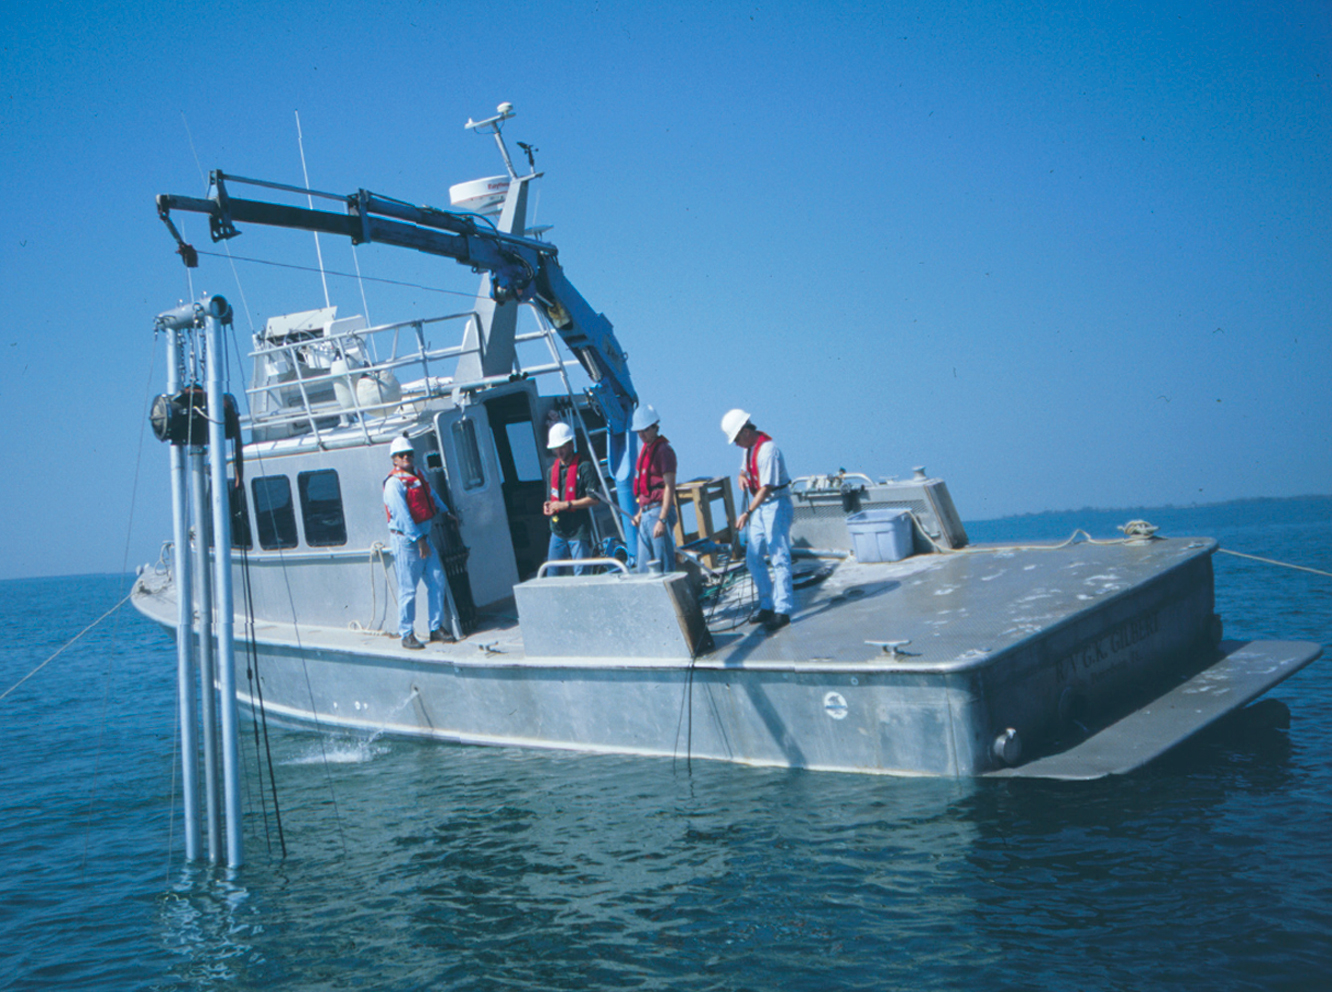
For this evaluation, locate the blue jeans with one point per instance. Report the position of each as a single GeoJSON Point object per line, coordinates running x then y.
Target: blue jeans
{"type": "Point", "coordinates": [409, 568]}
{"type": "Point", "coordinates": [651, 548]}
{"type": "Point", "coordinates": [770, 533]}
{"type": "Point", "coordinates": [566, 547]}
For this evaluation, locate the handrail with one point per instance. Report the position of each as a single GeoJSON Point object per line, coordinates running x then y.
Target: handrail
{"type": "Point", "coordinates": [579, 562]}
{"type": "Point", "coordinates": [351, 343]}
{"type": "Point", "coordinates": [805, 483]}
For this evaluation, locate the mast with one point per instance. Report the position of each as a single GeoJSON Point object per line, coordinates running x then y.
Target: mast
{"type": "Point", "coordinates": [488, 344]}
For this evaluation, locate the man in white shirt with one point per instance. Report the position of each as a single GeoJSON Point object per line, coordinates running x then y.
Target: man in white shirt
{"type": "Point", "coordinates": [767, 514]}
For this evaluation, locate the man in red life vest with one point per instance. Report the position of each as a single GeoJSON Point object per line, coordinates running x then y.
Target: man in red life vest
{"type": "Point", "coordinates": [573, 489]}
{"type": "Point", "coordinates": [654, 490]}
{"type": "Point", "coordinates": [768, 512]}
{"type": "Point", "coordinates": [411, 505]}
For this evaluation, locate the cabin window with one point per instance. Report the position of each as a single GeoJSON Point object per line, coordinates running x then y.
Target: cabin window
{"type": "Point", "coordinates": [522, 445]}
{"type": "Point", "coordinates": [273, 512]}
{"type": "Point", "coordinates": [321, 508]}
{"type": "Point", "coordinates": [240, 516]}
{"type": "Point", "coordinates": [469, 454]}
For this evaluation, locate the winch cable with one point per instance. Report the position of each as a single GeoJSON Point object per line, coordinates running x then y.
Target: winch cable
{"type": "Point", "coordinates": [251, 649]}
{"type": "Point", "coordinates": [300, 648]}
{"type": "Point", "coordinates": [342, 275]}
{"type": "Point", "coordinates": [257, 693]}
{"type": "Point", "coordinates": [686, 717]}
{"type": "Point", "coordinates": [252, 659]}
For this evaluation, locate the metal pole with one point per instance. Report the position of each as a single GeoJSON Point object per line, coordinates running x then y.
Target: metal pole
{"type": "Point", "coordinates": [207, 667]}
{"type": "Point", "coordinates": [216, 308]}
{"type": "Point", "coordinates": [180, 533]}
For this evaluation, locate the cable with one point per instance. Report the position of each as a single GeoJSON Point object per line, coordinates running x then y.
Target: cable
{"type": "Point", "coordinates": [344, 275]}
{"type": "Point", "coordinates": [257, 688]}
{"type": "Point", "coordinates": [66, 645]}
{"type": "Point", "coordinates": [1273, 561]}
{"type": "Point", "coordinates": [300, 651]}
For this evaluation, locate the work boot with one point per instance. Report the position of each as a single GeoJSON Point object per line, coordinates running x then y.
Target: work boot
{"type": "Point", "coordinates": [777, 622]}
{"type": "Point", "coordinates": [762, 616]}
{"type": "Point", "coordinates": [412, 643]}
{"type": "Point", "coordinates": [440, 636]}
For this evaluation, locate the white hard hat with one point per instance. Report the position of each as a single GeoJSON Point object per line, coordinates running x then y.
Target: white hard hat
{"type": "Point", "coordinates": [733, 423]}
{"type": "Point", "coordinates": [560, 435]}
{"type": "Point", "coordinates": [644, 417]}
{"type": "Point", "coordinates": [400, 445]}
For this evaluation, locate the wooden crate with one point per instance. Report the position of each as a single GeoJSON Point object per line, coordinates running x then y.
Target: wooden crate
{"type": "Point", "coordinates": [702, 493]}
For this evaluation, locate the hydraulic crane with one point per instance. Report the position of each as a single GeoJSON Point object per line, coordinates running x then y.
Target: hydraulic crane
{"type": "Point", "coordinates": [522, 269]}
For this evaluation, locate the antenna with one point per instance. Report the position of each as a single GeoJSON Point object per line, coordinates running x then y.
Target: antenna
{"type": "Point", "coordinates": [493, 125]}
{"type": "Point", "coordinates": [300, 143]}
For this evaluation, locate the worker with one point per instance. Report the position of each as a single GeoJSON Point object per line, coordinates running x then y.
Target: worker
{"type": "Point", "coordinates": [654, 493]}
{"type": "Point", "coordinates": [411, 506]}
{"type": "Point", "coordinates": [767, 514]}
{"type": "Point", "coordinates": [573, 490]}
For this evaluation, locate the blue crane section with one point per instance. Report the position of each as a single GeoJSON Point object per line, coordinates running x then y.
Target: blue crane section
{"type": "Point", "coordinates": [521, 269]}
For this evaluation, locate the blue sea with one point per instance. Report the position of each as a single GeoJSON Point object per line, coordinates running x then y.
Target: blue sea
{"type": "Point", "coordinates": [412, 866]}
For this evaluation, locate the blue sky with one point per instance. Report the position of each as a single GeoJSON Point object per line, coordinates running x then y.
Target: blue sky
{"type": "Point", "coordinates": [1063, 255]}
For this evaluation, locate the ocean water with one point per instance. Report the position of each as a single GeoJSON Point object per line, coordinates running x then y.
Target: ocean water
{"type": "Point", "coordinates": [413, 866]}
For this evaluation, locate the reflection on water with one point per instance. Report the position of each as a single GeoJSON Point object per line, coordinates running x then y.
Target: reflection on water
{"type": "Point", "coordinates": [460, 867]}
{"type": "Point", "coordinates": [420, 866]}
{"type": "Point", "coordinates": [444, 867]}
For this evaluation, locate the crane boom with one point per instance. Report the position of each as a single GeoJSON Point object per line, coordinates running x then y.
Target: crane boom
{"type": "Point", "coordinates": [521, 269]}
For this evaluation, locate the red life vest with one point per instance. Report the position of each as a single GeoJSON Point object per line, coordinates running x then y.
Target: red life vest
{"type": "Point", "coordinates": [420, 503]}
{"type": "Point", "coordinates": [645, 483]}
{"type": "Point", "coordinates": [751, 462]}
{"type": "Point", "coordinates": [570, 481]}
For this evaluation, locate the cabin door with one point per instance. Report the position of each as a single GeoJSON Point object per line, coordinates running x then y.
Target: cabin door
{"type": "Point", "coordinates": [524, 479]}
{"type": "Point", "coordinates": [475, 487]}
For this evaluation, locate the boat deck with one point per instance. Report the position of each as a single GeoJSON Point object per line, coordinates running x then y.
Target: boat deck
{"type": "Point", "coordinates": [945, 611]}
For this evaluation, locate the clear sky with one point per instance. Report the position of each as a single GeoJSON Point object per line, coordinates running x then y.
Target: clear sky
{"type": "Point", "coordinates": [1063, 255]}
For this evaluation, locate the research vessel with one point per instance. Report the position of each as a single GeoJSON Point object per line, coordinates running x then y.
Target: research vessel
{"type": "Point", "coordinates": [910, 650]}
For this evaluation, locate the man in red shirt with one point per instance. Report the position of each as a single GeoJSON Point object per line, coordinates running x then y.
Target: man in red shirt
{"type": "Point", "coordinates": [654, 491]}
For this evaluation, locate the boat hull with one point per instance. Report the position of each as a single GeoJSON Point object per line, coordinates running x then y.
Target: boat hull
{"type": "Point", "coordinates": [1027, 688]}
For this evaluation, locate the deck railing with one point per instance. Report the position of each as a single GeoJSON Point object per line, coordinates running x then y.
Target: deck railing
{"type": "Point", "coordinates": [317, 396]}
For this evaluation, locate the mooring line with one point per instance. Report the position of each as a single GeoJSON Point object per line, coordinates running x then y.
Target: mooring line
{"type": "Point", "coordinates": [65, 645]}
{"type": "Point", "coordinates": [1273, 561]}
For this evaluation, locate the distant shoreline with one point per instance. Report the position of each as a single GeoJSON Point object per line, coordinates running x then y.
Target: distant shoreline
{"type": "Point", "coordinates": [1140, 511]}
{"type": "Point", "coordinates": [1144, 508]}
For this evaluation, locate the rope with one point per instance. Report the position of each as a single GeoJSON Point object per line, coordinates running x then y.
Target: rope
{"type": "Point", "coordinates": [376, 554]}
{"type": "Point", "coordinates": [300, 651]}
{"type": "Point", "coordinates": [257, 688]}
{"type": "Point", "coordinates": [66, 645]}
{"type": "Point", "coordinates": [1273, 561]}
{"type": "Point", "coordinates": [1135, 532]}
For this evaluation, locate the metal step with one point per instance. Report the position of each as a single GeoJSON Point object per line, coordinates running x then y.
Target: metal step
{"type": "Point", "coordinates": [1245, 671]}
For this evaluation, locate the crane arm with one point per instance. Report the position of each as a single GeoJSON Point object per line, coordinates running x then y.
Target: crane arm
{"type": "Point", "coordinates": [521, 269]}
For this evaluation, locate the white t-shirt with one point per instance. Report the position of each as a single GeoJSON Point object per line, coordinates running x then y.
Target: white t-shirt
{"type": "Point", "coordinates": [771, 465]}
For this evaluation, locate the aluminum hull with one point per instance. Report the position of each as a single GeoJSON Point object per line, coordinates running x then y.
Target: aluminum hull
{"type": "Point", "coordinates": [1051, 645]}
